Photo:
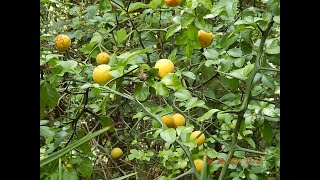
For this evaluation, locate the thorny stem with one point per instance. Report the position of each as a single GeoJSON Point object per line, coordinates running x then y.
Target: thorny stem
{"type": "Point", "coordinates": [246, 100]}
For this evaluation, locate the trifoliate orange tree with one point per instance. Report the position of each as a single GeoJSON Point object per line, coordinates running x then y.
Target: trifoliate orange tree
{"type": "Point", "coordinates": [172, 89]}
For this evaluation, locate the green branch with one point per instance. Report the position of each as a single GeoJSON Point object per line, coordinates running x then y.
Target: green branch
{"type": "Point", "coordinates": [193, 166]}
{"type": "Point", "coordinates": [138, 102]}
{"type": "Point", "coordinates": [246, 100]}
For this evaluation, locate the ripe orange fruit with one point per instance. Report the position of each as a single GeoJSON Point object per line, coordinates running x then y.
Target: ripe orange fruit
{"type": "Point", "coordinates": [198, 163]}
{"type": "Point", "coordinates": [200, 139]}
{"type": "Point", "coordinates": [173, 3]}
{"type": "Point", "coordinates": [62, 42]}
{"type": "Point", "coordinates": [178, 120]}
{"type": "Point", "coordinates": [165, 66]}
{"type": "Point", "coordinates": [168, 120]}
{"type": "Point", "coordinates": [101, 74]}
{"type": "Point", "coordinates": [102, 58]}
{"type": "Point", "coordinates": [116, 153]}
{"type": "Point", "coordinates": [205, 38]}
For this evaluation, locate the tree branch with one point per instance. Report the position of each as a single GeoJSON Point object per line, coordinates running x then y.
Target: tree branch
{"type": "Point", "coordinates": [246, 100]}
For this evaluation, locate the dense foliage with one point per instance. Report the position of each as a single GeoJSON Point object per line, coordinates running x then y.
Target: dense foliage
{"type": "Point", "coordinates": [230, 90]}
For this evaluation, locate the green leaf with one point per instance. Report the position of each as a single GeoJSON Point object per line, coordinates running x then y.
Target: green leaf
{"type": "Point", "coordinates": [226, 64]}
{"type": "Point", "coordinates": [251, 142]}
{"type": "Point", "coordinates": [46, 132]}
{"type": "Point", "coordinates": [58, 154]}
{"type": "Point", "coordinates": [228, 39]}
{"type": "Point", "coordinates": [90, 11]}
{"type": "Point", "coordinates": [186, 19]}
{"type": "Point", "coordinates": [70, 174]}
{"type": "Point", "coordinates": [67, 66]}
{"type": "Point", "coordinates": [246, 34]}
{"type": "Point", "coordinates": [48, 95]}
{"type": "Point", "coordinates": [207, 115]}
{"type": "Point", "coordinates": [212, 153]}
{"type": "Point", "coordinates": [88, 48]}
{"type": "Point", "coordinates": [273, 6]}
{"type": "Point", "coordinates": [194, 102]}
{"type": "Point", "coordinates": [253, 176]}
{"type": "Point", "coordinates": [207, 4]}
{"type": "Point", "coordinates": [96, 37]}
{"type": "Point", "coordinates": [240, 61]}
{"type": "Point", "coordinates": [141, 91]}
{"type": "Point", "coordinates": [183, 94]}
{"type": "Point", "coordinates": [85, 167]}
{"type": "Point", "coordinates": [156, 134]}
{"type": "Point", "coordinates": [276, 19]}
{"type": "Point", "coordinates": [136, 5]}
{"type": "Point", "coordinates": [235, 52]}
{"type": "Point", "coordinates": [121, 35]}
{"type": "Point", "coordinates": [172, 55]}
{"type": "Point", "coordinates": [154, 3]}
{"type": "Point", "coordinates": [161, 89]}
{"type": "Point", "coordinates": [211, 54]}
{"type": "Point", "coordinates": [182, 163]}
{"type": "Point", "coordinates": [168, 135]}
{"type": "Point", "coordinates": [242, 73]}
{"type": "Point", "coordinates": [105, 5]}
{"type": "Point", "coordinates": [172, 30]}
{"type": "Point", "coordinates": [231, 7]}
{"type": "Point", "coordinates": [273, 48]}
{"type": "Point", "coordinates": [267, 81]}
{"type": "Point", "coordinates": [267, 131]}
{"type": "Point", "coordinates": [171, 80]}
{"type": "Point", "coordinates": [189, 74]}
{"type": "Point", "coordinates": [183, 130]}
{"type": "Point", "coordinates": [240, 154]}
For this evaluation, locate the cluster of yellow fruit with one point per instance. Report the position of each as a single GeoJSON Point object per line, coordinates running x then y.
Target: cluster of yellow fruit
{"type": "Point", "coordinates": [173, 121]}
{"type": "Point", "coordinates": [101, 74]}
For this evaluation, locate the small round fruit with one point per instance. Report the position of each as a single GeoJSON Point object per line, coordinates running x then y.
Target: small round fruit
{"type": "Point", "coordinates": [165, 66]}
{"type": "Point", "coordinates": [69, 165]}
{"type": "Point", "coordinates": [200, 139]}
{"type": "Point", "coordinates": [205, 38]}
{"type": "Point", "coordinates": [116, 153]}
{"type": "Point", "coordinates": [101, 74]}
{"type": "Point", "coordinates": [102, 58]}
{"type": "Point", "coordinates": [178, 120]}
{"type": "Point", "coordinates": [173, 3]}
{"type": "Point", "coordinates": [62, 42]}
{"type": "Point", "coordinates": [168, 120]}
{"type": "Point", "coordinates": [198, 163]}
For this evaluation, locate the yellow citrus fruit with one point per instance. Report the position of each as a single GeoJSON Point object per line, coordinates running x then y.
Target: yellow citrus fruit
{"type": "Point", "coordinates": [102, 58]}
{"type": "Point", "coordinates": [198, 163]}
{"type": "Point", "coordinates": [178, 120]}
{"type": "Point", "coordinates": [62, 42]}
{"type": "Point", "coordinates": [101, 74]}
{"type": "Point", "coordinates": [116, 153]}
{"type": "Point", "coordinates": [165, 66]}
{"type": "Point", "coordinates": [168, 120]}
{"type": "Point", "coordinates": [205, 38]}
{"type": "Point", "coordinates": [173, 3]}
{"type": "Point", "coordinates": [200, 139]}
